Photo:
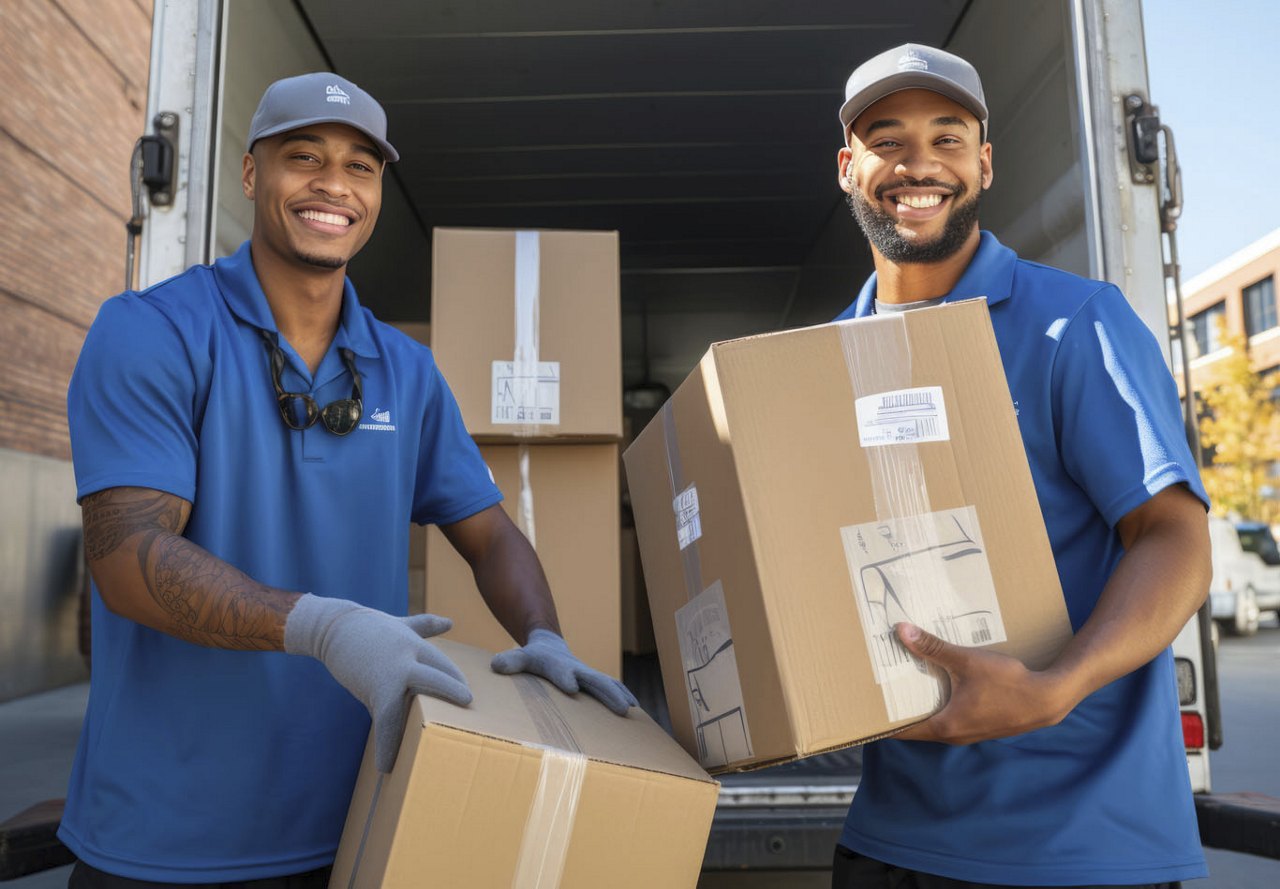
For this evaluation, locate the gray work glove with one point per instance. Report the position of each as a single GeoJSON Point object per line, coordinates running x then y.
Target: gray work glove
{"type": "Point", "coordinates": [548, 656]}
{"type": "Point", "coordinates": [379, 658]}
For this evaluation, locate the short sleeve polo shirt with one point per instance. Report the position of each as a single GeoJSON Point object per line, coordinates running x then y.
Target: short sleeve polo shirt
{"type": "Point", "coordinates": [1104, 797]}
{"type": "Point", "coordinates": [205, 765]}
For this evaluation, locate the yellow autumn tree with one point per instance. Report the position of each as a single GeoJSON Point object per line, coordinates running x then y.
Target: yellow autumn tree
{"type": "Point", "coordinates": [1240, 422]}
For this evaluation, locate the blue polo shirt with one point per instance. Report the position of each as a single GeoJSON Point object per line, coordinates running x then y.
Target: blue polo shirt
{"type": "Point", "coordinates": [1104, 797]}
{"type": "Point", "coordinates": [206, 765]}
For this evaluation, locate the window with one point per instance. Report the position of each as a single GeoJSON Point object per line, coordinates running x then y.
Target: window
{"type": "Point", "coordinates": [1204, 326]}
{"type": "Point", "coordinates": [1260, 306]}
{"type": "Point", "coordinates": [1256, 538]}
{"type": "Point", "coordinates": [1274, 394]}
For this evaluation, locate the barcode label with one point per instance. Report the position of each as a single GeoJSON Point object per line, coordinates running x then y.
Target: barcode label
{"type": "Point", "coordinates": [902, 416]}
{"type": "Point", "coordinates": [688, 519]}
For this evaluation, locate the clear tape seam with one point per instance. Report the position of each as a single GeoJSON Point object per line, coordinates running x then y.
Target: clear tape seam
{"type": "Point", "coordinates": [877, 355]}
{"type": "Point", "coordinates": [527, 286]}
{"type": "Point", "coordinates": [549, 826]}
{"type": "Point", "coordinates": [691, 563]}
{"type": "Point", "coordinates": [524, 511]}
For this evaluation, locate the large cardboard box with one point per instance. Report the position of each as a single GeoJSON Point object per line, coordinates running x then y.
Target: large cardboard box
{"type": "Point", "coordinates": [804, 491]}
{"type": "Point", "coordinates": [565, 499]}
{"type": "Point", "coordinates": [526, 787]}
{"type": "Point", "coordinates": [526, 327]}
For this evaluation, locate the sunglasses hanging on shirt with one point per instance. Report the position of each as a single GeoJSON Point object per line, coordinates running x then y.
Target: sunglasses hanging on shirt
{"type": "Point", "coordinates": [300, 411]}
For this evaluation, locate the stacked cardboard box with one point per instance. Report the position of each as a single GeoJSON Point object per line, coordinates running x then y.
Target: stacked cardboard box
{"type": "Point", "coordinates": [804, 491]}
{"type": "Point", "coordinates": [420, 331]}
{"type": "Point", "coordinates": [566, 502]}
{"type": "Point", "coordinates": [526, 787]}
{"type": "Point", "coordinates": [526, 328]}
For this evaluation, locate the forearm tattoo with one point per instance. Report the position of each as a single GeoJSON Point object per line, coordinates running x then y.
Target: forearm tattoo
{"type": "Point", "coordinates": [116, 514]}
{"type": "Point", "coordinates": [206, 600]}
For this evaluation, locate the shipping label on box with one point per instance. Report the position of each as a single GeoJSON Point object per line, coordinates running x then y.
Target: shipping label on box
{"type": "Point", "coordinates": [903, 415]}
{"type": "Point", "coordinates": [930, 570]}
{"type": "Point", "coordinates": [688, 517]}
{"type": "Point", "coordinates": [522, 396]}
{"type": "Point", "coordinates": [711, 679]}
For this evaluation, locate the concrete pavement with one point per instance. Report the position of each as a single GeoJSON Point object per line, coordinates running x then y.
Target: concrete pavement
{"type": "Point", "coordinates": [38, 735]}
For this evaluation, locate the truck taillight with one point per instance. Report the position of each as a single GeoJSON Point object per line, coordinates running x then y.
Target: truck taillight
{"type": "Point", "coordinates": [1192, 731]}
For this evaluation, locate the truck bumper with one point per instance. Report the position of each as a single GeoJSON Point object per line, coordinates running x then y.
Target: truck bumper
{"type": "Point", "coordinates": [791, 839]}
{"type": "Point", "coordinates": [1240, 822]}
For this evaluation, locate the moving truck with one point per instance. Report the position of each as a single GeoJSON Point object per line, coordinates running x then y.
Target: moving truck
{"type": "Point", "coordinates": [706, 134]}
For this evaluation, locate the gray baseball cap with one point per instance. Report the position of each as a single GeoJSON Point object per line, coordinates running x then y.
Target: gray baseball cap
{"type": "Point", "coordinates": [320, 97]}
{"type": "Point", "coordinates": [912, 66]}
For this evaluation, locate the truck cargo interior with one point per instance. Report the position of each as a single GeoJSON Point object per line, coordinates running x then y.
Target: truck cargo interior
{"type": "Point", "coordinates": [704, 133]}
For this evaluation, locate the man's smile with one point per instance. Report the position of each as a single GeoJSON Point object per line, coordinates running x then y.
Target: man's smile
{"type": "Point", "coordinates": [326, 219]}
{"type": "Point", "coordinates": [917, 203]}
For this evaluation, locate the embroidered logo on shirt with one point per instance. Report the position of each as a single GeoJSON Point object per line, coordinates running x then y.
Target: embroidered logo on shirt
{"type": "Point", "coordinates": [381, 421]}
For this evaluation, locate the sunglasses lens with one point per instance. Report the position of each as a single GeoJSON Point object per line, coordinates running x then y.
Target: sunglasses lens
{"type": "Point", "coordinates": [298, 411]}
{"type": "Point", "coordinates": [341, 417]}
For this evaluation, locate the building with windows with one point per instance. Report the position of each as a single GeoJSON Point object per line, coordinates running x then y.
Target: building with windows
{"type": "Point", "coordinates": [1242, 290]}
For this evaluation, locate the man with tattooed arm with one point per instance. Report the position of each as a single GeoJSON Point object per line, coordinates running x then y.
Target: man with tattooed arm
{"type": "Point", "coordinates": [246, 525]}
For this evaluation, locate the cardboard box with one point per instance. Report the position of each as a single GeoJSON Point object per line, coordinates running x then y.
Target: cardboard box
{"type": "Point", "coordinates": [566, 501]}
{"type": "Point", "coordinates": [804, 491]}
{"type": "Point", "coordinates": [526, 787]}
{"type": "Point", "coordinates": [418, 330]}
{"type": "Point", "coordinates": [527, 329]}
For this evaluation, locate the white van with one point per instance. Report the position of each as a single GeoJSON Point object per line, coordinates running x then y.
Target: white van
{"type": "Point", "coordinates": [1238, 576]}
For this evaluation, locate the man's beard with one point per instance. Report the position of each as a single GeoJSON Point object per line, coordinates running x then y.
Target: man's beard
{"type": "Point", "coordinates": [881, 227]}
{"type": "Point", "coordinates": [324, 262]}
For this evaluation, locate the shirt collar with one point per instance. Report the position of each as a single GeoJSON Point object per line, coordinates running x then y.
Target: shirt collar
{"type": "Point", "coordinates": [238, 283]}
{"type": "Point", "coordinates": [989, 274]}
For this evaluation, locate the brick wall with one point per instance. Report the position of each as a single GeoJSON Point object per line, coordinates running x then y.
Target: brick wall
{"type": "Point", "coordinates": [75, 75]}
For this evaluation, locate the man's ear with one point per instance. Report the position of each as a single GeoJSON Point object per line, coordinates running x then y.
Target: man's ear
{"type": "Point", "coordinates": [844, 169]}
{"type": "Point", "coordinates": [247, 175]}
{"type": "Point", "coordinates": [984, 164]}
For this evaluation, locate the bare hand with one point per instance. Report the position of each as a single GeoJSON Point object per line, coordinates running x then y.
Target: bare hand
{"type": "Point", "coordinates": [992, 695]}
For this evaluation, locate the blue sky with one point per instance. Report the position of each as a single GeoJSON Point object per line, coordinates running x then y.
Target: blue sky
{"type": "Point", "coordinates": [1214, 73]}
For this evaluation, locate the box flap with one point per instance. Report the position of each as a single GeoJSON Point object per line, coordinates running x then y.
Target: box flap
{"type": "Point", "coordinates": [530, 711]}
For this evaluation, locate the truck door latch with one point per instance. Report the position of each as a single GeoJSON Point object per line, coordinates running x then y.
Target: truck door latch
{"type": "Point", "coordinates": [1153, 157]}
{"type": "Point", "coordinates": [159, 164]}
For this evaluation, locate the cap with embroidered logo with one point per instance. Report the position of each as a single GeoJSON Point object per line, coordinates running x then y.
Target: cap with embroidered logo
{"type": "Point", "coordinates": [319, 97]}
{"type": "Point", "coordinates": [912, 66]}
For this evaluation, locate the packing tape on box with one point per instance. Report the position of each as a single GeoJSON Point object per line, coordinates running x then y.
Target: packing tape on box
{"type": "Point", "coordinates": [527, 292]}
{"type": "Point", "coordinates": [553, 730]}
{"type": "Point", "coordinates": [549, 827]}
{"type": "Point", "coordinates": [913, 563]}
{"type": "Point", "coordinates": [684, 502]}
{"type": "Point", "coordinates": [524, 506]}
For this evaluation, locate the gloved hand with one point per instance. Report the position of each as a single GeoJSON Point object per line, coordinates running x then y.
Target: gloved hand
{"type": "Point", "coordinates": [379, 658]}
{"type": "Point", "coordinates": [547, 655]}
